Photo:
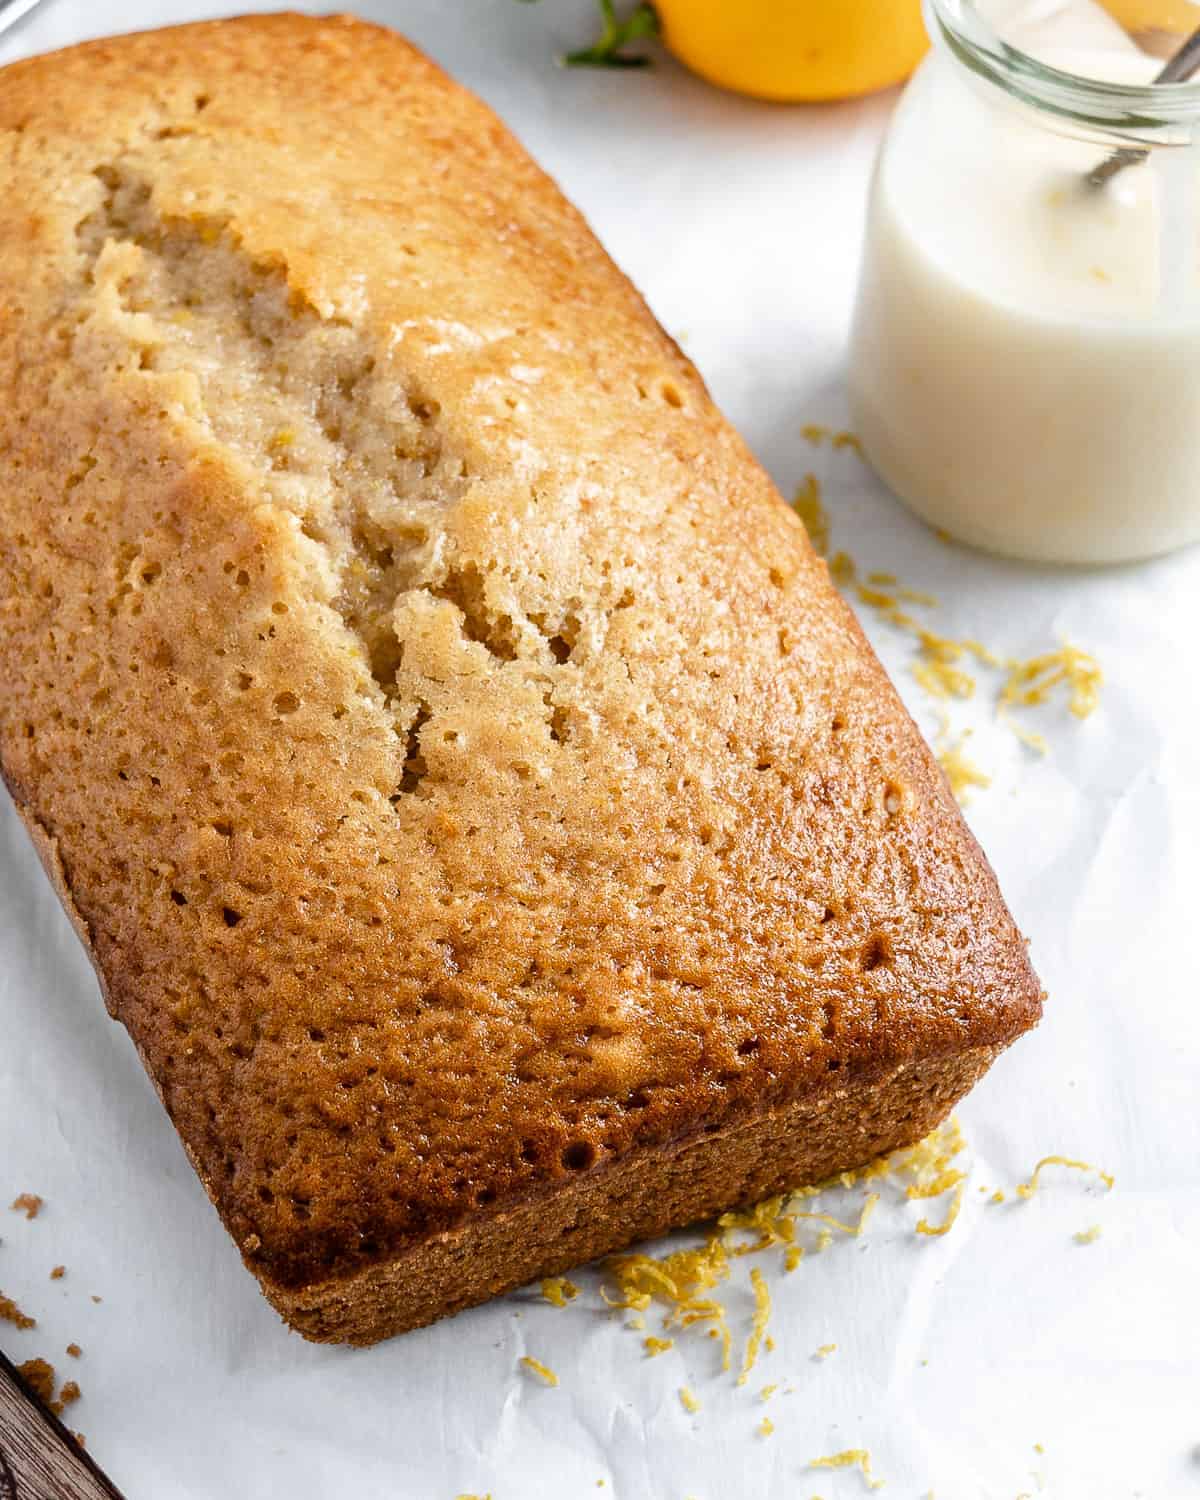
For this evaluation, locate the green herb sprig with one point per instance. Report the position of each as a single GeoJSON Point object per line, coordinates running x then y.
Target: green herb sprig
{"type": "Point", "coordinates": [608, 50]}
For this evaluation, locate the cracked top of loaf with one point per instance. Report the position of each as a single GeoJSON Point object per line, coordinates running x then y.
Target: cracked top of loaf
{"type": "Point", "coordinates": [459, 763]}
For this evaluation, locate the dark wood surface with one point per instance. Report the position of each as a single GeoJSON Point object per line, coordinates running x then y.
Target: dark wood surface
{"type": "Point", "coordinates": [39, 1459]}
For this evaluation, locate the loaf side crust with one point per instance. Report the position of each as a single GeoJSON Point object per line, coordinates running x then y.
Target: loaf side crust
{"type": "Point", "coordinates": [458, 763]}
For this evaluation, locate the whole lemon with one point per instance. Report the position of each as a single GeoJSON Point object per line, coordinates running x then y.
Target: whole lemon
{"type": "Point", "coordinates": [796, 49]}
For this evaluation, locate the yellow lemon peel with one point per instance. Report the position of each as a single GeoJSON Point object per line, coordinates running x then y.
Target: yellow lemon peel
{"type": "Point", "coordinates": [762, 1312]}
{"type": "Point", "coordinates": [544, 1372]}
{"type": "Point", "coordinates": [558, 1291]}
{"type": "Point", "coordinates": [849, 1458]}
{"type": "Point", "coordinates": [1027, 1189]}
{"type": "Point", "coordinates": [688, 1400]}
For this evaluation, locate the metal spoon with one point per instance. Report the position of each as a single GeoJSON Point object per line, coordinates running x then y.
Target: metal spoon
{"type": "Point", "coordinates": [12, 11]}
{"type": "Point", "coordinates": [1178, 70]}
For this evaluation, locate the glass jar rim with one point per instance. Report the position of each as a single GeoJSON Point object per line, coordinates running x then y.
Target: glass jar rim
{"type": "Point", "coordinates": [1150, 113]}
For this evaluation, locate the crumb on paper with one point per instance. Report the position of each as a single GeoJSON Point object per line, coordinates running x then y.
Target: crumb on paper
{"type": "Point", "coordinates": [544, 1372]}
{"type": "Point", "coordinates": [80, 1439]}
{"type": "Point", "coordinates": [96, 1299]}
{"type": "Point", "coordinates": [74, 1350]}
{"type": "Point", "coordinates": [58, 1273]}
{"type": "Point", "coordinates": [28, 1204]}
{"type": "Point", "coordinates": [1087, 1236]}
{"type": "Point", "coordinates": [814, 433]}
{"type": "Point", "coordinates": [11, 1313]}
{"type": "Point", "coordinates": [688, 1400]}
{"type": "Point", "coordinates": [847, 440]}
{"type": "Point", "coordinates": [558, 1291]}
{"type": "Point", "coordinates": [39, 1376]}
{"type": "Point", "coordinates": [849, 1458]}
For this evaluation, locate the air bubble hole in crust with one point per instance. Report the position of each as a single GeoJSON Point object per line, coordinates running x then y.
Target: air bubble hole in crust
{"type": "Point", "coordinates": [578, 1156]}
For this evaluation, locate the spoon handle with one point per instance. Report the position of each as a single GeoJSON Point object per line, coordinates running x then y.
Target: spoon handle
{"type": "Point", "coordinates": [1177, 69]}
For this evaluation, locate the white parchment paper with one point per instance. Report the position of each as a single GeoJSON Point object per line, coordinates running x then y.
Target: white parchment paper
{"type": "Point", "coordinates": [956, 1356]}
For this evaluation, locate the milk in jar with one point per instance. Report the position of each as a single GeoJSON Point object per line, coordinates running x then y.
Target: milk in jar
{"type": "Point", "coordinates": [1025, 358]}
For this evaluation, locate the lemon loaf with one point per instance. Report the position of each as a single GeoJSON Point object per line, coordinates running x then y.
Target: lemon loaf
{"type": "Point", "coordinates": [490, 825]}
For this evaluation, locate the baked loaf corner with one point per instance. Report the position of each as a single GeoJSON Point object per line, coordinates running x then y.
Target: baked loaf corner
{"type": "Point", "coordinates": [489, 823]}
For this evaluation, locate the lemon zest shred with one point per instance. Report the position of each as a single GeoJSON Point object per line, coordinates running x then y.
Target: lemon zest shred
{"type": "Point", "coordinates": [1032, 681]}
{"type": "Point", "coordinates": [847, 440]}
{"type": "Point", "coordinates": [767, 1392]}
{"type": "Point", "coordinates": [766, 1427]}
{"type": "Point", "coordinates": [849, 1458]}
{"type": "Point", "coordinates": [960, 771]}
{"type": "Point", "coordinates": [544, 1372]}
{"type": "Point", "coordinates": [558, 1291]}
{"type": "Point", "coordinates": [688, 1399]}
{"type": "Point", "coordinates": [808, 506]}
{"type": "Point", "coordinates": [997, 1197]}
{"type": "Point", "coordinates": [1027, 1189]}
{"type": "Point", "coordinates": [762, 1312]}
{"type": "Point", "coordinates": [825, 1351]}
{"type": "Point", "coordinates": [1087, 1236]}
{"type": "Point", "coordinates": [947, 1224]}
{"type": "Point", "coordinates": [655, 1346]}
{"type": "Point", "coordinates": [814, 433]}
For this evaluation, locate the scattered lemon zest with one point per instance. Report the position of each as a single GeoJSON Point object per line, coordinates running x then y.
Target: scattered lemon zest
{"type": "Point", "coordinates": [769, 1344]}
{"type": "Point", "coordinates": [1027, 1189]}
{"type": "Point", "coordinates": [841, 568]}
{"type": "Point", "coordinates": [1031, 682]}
{"type": "Point", "coordinates": [558, 1291]}
{"type": "Point", "coordinates": [688, 1399]}
{"type": "Point", "coordinates": [767, 1392]}
{"type": "Point", "coordinates": [1037, 1448]}
{"type": "Point", "coordinates": [1088, 1236]}
{"type": "Point", "coordinates": [825, 1351]}
{"type": "Point", "coordinates": [847, 440]}
{"type": "Point", "coordinates": [942, 1183]}
{"type": "Point", "coordinates": [808, 506]}
{"type": "Point", "coordinates": [814, 433]}
{"type": "Point", "coordinates": [655, 1346]}
{"type": "Point", "coordinates": [997, 1197]}
{"type": "Point", "coordinates": [850, 1458]}
{"type": "Point", "coordinates": [792, 1257]}
{"type": "Point", "coordinates": [947, 1224]}
{"type": "Point", "coordinates": [766, 1427]}
{"type": "Point", "coordinates": [762, 1311]}
{"type": "Point", "coordinates": [677, 1279]}
{"type": "Point", "coordinates": [882, 580]}
{"type": "Point", "coordinates": [959, 769]}
{"type": "Point", "coordinates": [539, 1369]}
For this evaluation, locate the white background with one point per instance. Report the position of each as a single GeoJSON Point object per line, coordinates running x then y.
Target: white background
{"type": "Point", "coordinates": [742, 223]}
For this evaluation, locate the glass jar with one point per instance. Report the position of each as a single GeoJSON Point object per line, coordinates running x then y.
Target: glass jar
{"type": "Point", "coordinates": [1025, 357]}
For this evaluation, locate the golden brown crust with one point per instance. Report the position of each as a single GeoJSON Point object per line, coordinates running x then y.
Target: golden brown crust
{"type": "Point", "coordinates": [465, 772]}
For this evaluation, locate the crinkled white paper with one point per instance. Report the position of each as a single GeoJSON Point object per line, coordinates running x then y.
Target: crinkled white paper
{"type": "Point", "coordinates": [956, 1356]}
